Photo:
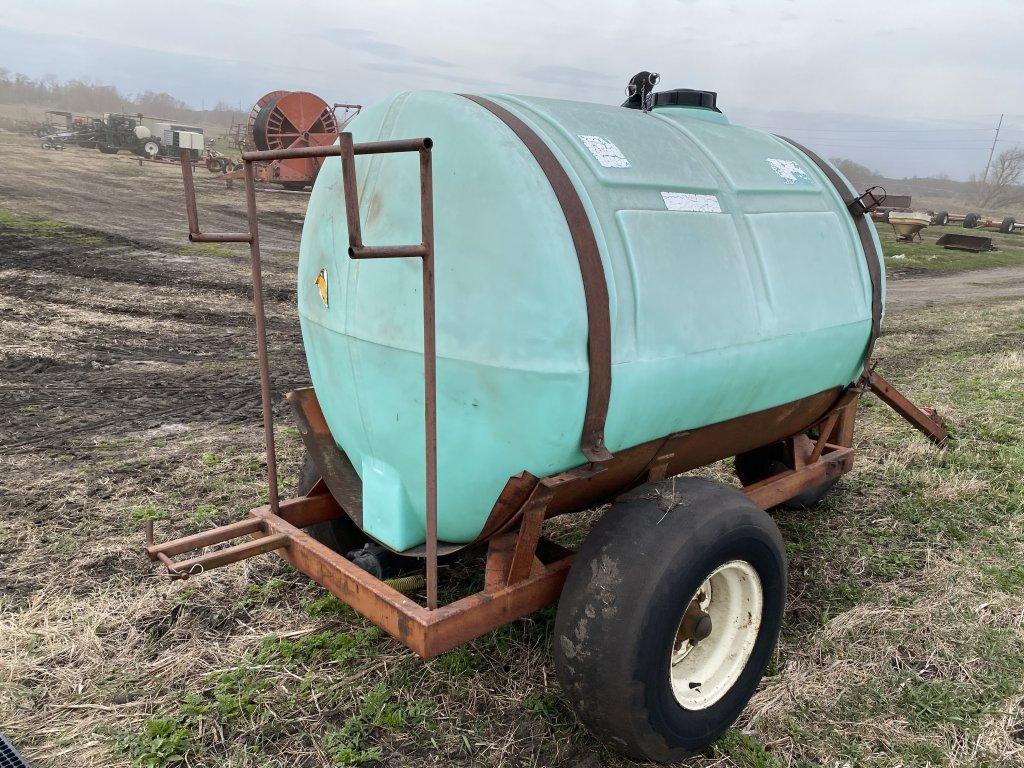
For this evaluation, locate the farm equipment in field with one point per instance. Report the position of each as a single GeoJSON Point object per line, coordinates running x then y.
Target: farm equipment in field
{"type": "Point", "coordinates": [55, 141]}
{"type": "Point", "coordinates": [289, 119]}
{"type": "Point", "coordinates": [973, 243]}
{"type": "Point", "coordinates": [890, 204]}
{"type": "Point", "coordinates": [57, 121]}
{"type": "Point", "coordinates": [521, 395]}
{"type": "Point", "coordinates": [1006, 225]}
{"type": "Point", "coordinates": [217, 162]}
{"type": "Point", "coordinates": [161, 139]}
{"type": "Point", "coordinates": [908, 226]}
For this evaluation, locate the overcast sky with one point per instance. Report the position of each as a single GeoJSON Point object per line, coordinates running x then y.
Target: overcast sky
{"type": "Point", "coordinates": [823, 71]}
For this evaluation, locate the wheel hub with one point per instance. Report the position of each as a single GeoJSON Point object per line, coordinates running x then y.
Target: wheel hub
{"type": "Point", "coordinates": [716, 635]}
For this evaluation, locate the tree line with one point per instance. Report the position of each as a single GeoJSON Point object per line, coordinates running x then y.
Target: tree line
{"type": "Point", "coordinates": [93, 98]}
{"type": "Point", "coordinates": [1001, 188]}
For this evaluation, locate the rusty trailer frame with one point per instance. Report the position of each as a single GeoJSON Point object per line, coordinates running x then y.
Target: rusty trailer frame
{"type": "Point", "coordinates": [523, 571]}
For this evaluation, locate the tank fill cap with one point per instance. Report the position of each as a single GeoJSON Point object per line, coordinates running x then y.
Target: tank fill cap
{"type": "Point", "coordinates": [686, 97]}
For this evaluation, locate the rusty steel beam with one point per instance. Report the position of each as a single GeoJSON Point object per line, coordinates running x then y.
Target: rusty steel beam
{"type": "Point", "coordinates": [522, 560]}
{"type": "Point", "coordinates": [229, 555]}
{"type": "Point", "coordinates": [308, 510]}
{"type": "Point", "coordinates": [333, 150]}
{"type": "Point", "coordinates": [823, 434]}
{"type": "Point", "coordinates": [500, 549]}
{"type": "Point", "coordinates": [427, 632]}
{"type": "Point", "coordinates": [205, 538]}
{"type": "Point", "coordinates": [261, 334]}
{"type": "Point", "coordinates": [842, 431]}
{"type": "Point", "coordinates": [456, 623]}
{"type": "Point", "coordinates": [928, 424]}
{"type": "Point", "coordinates": [192, 212]}
{"type": "Point", "coordinates": [774, 490]}
{"type": "Point", "coordinates": [424, 250]}
{"type": "Point", "coordinates": [351, 192]}
{"type": "Point", "coordinates": [519, 578]}
{"type": "Point", "coordinates": [387, 251]}
{"type": "Point", "coordinates": [429, 363]}
{"type": "Point", "coordinates": [219, 237]}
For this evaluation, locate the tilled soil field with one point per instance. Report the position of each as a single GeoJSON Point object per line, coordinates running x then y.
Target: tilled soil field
{"type": "Point", "coordinates": [128, 392]}
{"type": "Point", "coordinates": [142, 202]}
{"type": "Point", "coordinates": [130, 338]}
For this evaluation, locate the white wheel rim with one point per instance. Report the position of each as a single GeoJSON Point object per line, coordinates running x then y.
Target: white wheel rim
{"type": "Point", "coordinates": [701, 672]}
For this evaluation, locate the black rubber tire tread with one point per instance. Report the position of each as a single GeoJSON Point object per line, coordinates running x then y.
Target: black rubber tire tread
{"type": "Point", "coordinates": [971, 220]}
{"type": "Point", "coordinates": [761, 463]}
{"type": "Point", "coordinates": [340, 534]}
{"type": "Point", "coordinates": [624, 598]}
{"type": "Point", "coordinates": [1006, 227]}
{"type": "Point", "coordinates": [941, 218]}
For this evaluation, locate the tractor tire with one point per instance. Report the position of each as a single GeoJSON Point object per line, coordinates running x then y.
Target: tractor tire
{"type": "Point", "coordinates": [971, 220]}
{"type": "Point", "coordinates": [761, 463]}
{"type": "Point", "coordinates": [669, 616]}
{"type": "Point", "coordinates": [1007, 225]}
{"type": "Point", "coordinates": [106, 150]}
{"type": "Point", "coordinates": [340, 534]}
{"type": "Point", "coordinates": [941, 218]}
{"type": "Point", "coordinates": [151, 148]}
{"type": "Point", "coordinates": [46, 145]}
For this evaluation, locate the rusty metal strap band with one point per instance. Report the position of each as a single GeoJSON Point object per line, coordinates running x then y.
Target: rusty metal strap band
{"type": "Point", "coordinates": [871, 254]}
{"type": "Point", "coordinates": [595, 288]}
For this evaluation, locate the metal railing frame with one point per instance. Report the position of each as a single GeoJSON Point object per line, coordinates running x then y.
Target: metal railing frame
{"type": "Point", "coordinates": [347, 151]}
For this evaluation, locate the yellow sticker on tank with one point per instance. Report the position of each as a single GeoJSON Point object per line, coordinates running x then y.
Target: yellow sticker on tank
{"type": "Point", "coordinates": [321, 283]}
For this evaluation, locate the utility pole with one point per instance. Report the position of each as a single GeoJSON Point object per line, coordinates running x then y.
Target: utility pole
{"type": "Point", "coordinates": [984, 177]}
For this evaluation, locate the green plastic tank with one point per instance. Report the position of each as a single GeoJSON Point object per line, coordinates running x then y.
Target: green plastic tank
{"type": "Point", "coordinates": [736, 282]}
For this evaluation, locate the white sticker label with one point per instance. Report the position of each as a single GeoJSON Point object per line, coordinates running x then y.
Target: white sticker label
{"type": "Point", "coordinates": [687, 201]}
{"type": "Point", "coordinates": [787, 170]}
{"type": "Point", "coordinates": [606, 152]}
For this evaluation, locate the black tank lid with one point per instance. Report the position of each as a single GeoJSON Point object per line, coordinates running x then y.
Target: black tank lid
{"type": "Point", "coordinates": [686, 97]}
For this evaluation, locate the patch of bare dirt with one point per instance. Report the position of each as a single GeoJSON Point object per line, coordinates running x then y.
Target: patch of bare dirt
{"type": "Point", "coordinates": [101, 340]}
{"type": "Point", "coordinates": [142, 202]}
{"type": "Point", "coordinates": [954, 288]}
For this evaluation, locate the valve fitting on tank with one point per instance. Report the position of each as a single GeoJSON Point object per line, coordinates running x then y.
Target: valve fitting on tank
{"type": "Point", "coordinates": [640, 89]}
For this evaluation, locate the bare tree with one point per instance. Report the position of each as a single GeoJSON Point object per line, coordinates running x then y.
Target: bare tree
{"type": "Point", "coordinates": [1005, 183]}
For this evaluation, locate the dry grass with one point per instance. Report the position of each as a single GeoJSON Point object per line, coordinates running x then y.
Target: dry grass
{"type": "Point", "coordinates": [903, 644]}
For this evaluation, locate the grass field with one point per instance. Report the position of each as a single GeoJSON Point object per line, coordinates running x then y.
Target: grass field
{"type": "Point", "coordinates": [903, 643]}
{"type": "Point", "coordinates": [904, 636]}
{"type": "Point", "coordinates": [926, 256]}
